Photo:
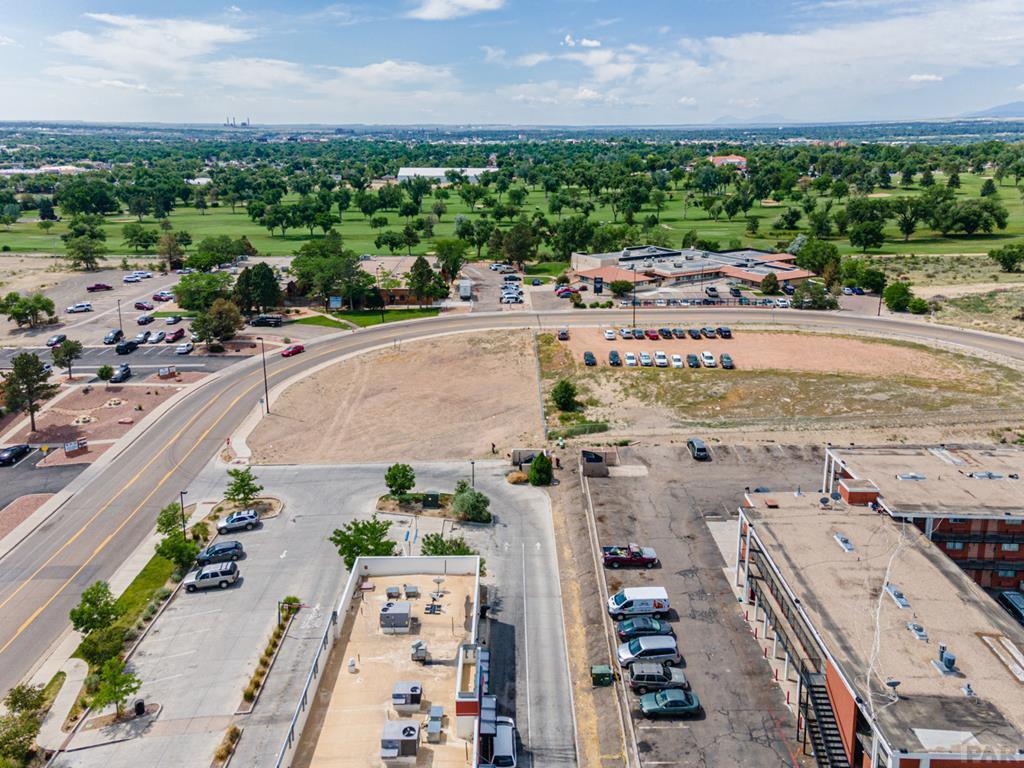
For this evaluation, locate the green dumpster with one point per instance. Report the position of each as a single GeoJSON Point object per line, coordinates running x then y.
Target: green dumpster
{"type": "Point", "coordinates": [601, 675]}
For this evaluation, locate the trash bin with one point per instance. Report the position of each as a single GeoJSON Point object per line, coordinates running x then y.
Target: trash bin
{"type": "Point", "coordinates": [140, 707]}
{"type": "Point", "coordinates": [431, 500]}
{"type": "Point", "coordinates": [601, 675]}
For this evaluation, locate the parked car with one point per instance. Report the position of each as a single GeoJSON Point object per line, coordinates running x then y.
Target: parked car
{"type": "Point", "coordinates": [184, 349]}
{"type": "Point", "coordinates": [692, 360]}
{"type": "Point", "coordinates": [221, 552]}
{"type": "Point", "coordinates": [630, 360]}
{"type": "Point", "coordinates": [642, 626]}
{"type": "Point", "coordinates": [693, 333]}
{"type": "Point", "coordinates": [665, 333]}
{"type": "Point", "coordinates": [246, 520]}
{"type": "Point", "coordinates": [512, 278]}
{"type": "Point", "coordinates": [698, 450]}
{"type": "Point", "coordinates": [95, 287]}
{"type": "Point", "coordinates": [173, 320]}
{"type": "Point", "coordinates": [145, 306]}
{"type": "Point", "coordinates": [12, 454]}
{"type": "Point", "coordinates": [708, 332]}
{"type": "Point", "coordinates": [267, 321]}
{"type": "Point", "coordinates": [126, 346]}
{"type": "Point", "coordinates": [292, 350]}
{"type": "Point", "coordinates": [123, 373]}
{"type": "Point", "coordinates": [173, 336]}
{"type": "Point", "coordinates": [614, 359]}
{"type": "Point", "coordinates": [781, 303]}
{"type": "Point", "coordinates": [645, 360]}
{"type": "Point", "coordinates": [1012, 601]}
{"type": "Point", "coordinates": [711, 291]}
{"type": "Point", "coordinates": [503, 745]}
{"type": "Point", "coordinates": [858, 291]}
{"type": "Point", "coordinates": [536, 281]}
{"type": "Point", "coordinates": [142, 337]}
{"type": "Point", "coordinates": [131, 279]}
{"type": "Point", "coordinates": [221, 575]}
{"type": "Point", "coordinates": [726, 361]}
{"type": "Point", "coordinates": [647, 676]}
{"type": "Point", "coordinates": [625, 333]}
{"type": "Point", "coordinates": [661, 648]}
{"type": "Point", "coordinates": [145, 319]}
{"type": "Point", "coordinates": [141, 273]}
{"type": "Point", "coordinates": [670, 703]}
{"type": "Point", "coordinates": [788, 289]}
{"type": "Point", "coordinates": [678, 333]}
{"type": "Point", "coordinates": [511, 299]}
{"type": "Point", "coordinates": [609, 334]}
{"type": "Point", "coordinates": [734, 292]}
{"type": "Point", "coordinates": [82, 306]}
{"type": "Point", "coordinates": [652, 334]}
{"type": "Point", "coordinates": [629, 555]}
{"type": "Point", "coordinates": [707, 359]}
{"type": "Point", "coordinates": [113, 336]}
{"type": "Point", "coordinates": [563, 334]}
{"type": "Point", "coordinates": [589, 360]}
{"type": "Point", "coordinates": [677, 361]}
{"type": "Point", "coordinates": [157, 337]}
{"type": "Point", "coordinates": [638, 334]}
{"type": "Point", "coordinates": [724, 332]}
{"type": "Point", "coordinates": [847, 290]}
{"type": "Point", "coordinates": [163, 296]}
{"type": "Point", "coordinates": [638, 601]}
{"type": "Point", "coordinates": [660, 359]}
{"type": "Point", "coordinates": [56, 340]}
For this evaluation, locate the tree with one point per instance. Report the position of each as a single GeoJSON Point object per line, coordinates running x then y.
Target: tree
{"type": "Point", "coordinates": [243, 488]}
{"type": "Point", "coordinates": [563, 394]}
{"type": "Point", "coordinates": [400, 479]}
{"type": "Point", "coordinates": [519, 243]}
{"type": "Point", "coordinates": [220, 322]}
{"type": "Point", "coordinates": [65, 354]}
{"type": "Point", "coordinates": [953, 182]}
{"type": "Point", "coordinates": [105, 373]}
{"type": "Point", "coordinates": [410, 237]}
{"type": "Point", "coordinates": [393, 241]}
{"type": "Point", "coordinates": [169, 248]}
{"type": "Point", "coordinates": [1009, 258]}
{"type": "Point", "coordinates": [816, 255]}
{"type": "Point", "coordinates": [987, 189]}
{"type": "Point", "coordinates": [436, 545]}
{"type": "Point", "coordinates": [621, 287]}
{"type": "Point", "coordinates": [199, 291]}
{"type": "Point", "coordinates": [84, 252]}
{"type": "Point", "coordinates": [867, 234]}
{"type": "Point", "coordinates": [169, 520]}
{"type": "Point", "coordinates": [178, 550]}
{"type": "Point", "coordinates": [770, 284]}
{"type": "Point", "coordinates": [363, 538]}
{"type": "Point", "coordinates": [101, 645]}
{"type": "Point", "coordinates": [117, 684]}
{"type": "Point", "coordinates": [26, 385]}
{"type": "Point", "coordinates": [919, 306]}
{"type": "Point", "coordinates": [420, 278]}
{"type": "Point", "coordinates": [540, 470]}
{"type": "Point", "coordinates": [96, 609]}
{"type": "Point", "coordinates": [17, 736]}
{"type": "Point", "coordinates": [813, 295]}
{"type": "Point", "coordinates": [257, 287]}
{"type": "Point", "coordinates": [451, 256]}
{"type": "Point", "coordinates": [470, 504]}
{"type": "Point", "coordinates": [214, 251]}
{"type": "Point", "coordinates": [897, 297]}
{"type": "Point", "coordinates": [27, 310]}
{"type": "Point", "coordinates": [907, 212]}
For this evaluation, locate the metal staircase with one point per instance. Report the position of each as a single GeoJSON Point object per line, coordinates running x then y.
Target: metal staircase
{"type": "Point", "coordinates": [822, 727]}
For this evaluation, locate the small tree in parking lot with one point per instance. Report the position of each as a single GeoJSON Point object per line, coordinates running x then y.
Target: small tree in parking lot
{"type": "Point", "coordinates": [540, 470]}
{"type": "Point", "coordinates": [169, 519]}
{"type": "Point", "coordinates": [363, 538]}
{"type": "Point", "coordinates": [179, 550]}
{"type": "Point", "coordinates": [470, 504]}
{"type": "Point", "coordinates": [117, 684]}
{"type": "Point", "coordinates": [563, 394]}
{"type": "Point", "coordinates": [65, 354]}
{"type": "Point", "coordinates": [400, 479]}
{"type": "Point", "coordinates": [105, 373]}
{"type": "Point", "coordinates": [243, 488]}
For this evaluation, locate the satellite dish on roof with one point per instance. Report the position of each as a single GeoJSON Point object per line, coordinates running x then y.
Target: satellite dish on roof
{"type": "Point", "coordinates": [836, 495]}
{"type": "Point", "coordinates": [823, 501]}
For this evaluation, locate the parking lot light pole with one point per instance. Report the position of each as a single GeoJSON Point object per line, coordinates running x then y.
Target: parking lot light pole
{"type": "Point", "coordinates": [266, 389]}
{"type": "Point", "coordinates": [119, 323]}
{"type": "Point", "coordinates": [472, 476]}
{"type": "Point", "coordinates": [634, 297]}
{"type": "Point", "coordinates": [181, 501]}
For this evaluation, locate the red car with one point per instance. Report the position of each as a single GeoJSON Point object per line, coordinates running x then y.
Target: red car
{"type": "Point", "coordinates": [175, 335]}
{"type": "Point", "coordinates": [163, 297]}
{"type": "Point", "coordinates": [652, 334]}
{"type": "Point", "coordinates": [99, 287]}
{"type": "Point", "coordinates": [294, 349]}
{"type": "Point", "coordinates": [143, 305]}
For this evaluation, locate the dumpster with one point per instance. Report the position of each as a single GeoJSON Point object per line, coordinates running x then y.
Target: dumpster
{"type": "Point", "coordinates": [601, 675]}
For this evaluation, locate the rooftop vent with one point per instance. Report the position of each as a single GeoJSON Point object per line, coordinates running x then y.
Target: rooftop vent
{"type": "Point", "coordinates": [399, 741]}
{"type": "Point", "coordinates": [946, 663]}
{"type": "Point", "coordinates": [918, 631]}
{"type": "Point", "coordinates": [911, 476]}
{"type": "Point", "coordinates": [985, 475]}
{"type": "Point", "coordinates": [897, 596]}
{"type": "Point", "coordinates": [844, 542]}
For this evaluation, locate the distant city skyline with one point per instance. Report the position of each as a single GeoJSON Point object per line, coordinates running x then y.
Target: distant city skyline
{"type": "Point", "coordinates": [532, 62]}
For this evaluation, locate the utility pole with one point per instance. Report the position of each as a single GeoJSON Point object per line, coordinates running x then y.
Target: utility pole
{"type": "Point", "coordinates": [266, 388]}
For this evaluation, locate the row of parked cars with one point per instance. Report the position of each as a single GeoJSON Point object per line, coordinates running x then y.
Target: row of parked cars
{"type": "Point", "coordinates": [217, 565]}
{"type": "Point", "coordinates": [648, 653]}
{"type": "Point", "coordinates": [661, 360]}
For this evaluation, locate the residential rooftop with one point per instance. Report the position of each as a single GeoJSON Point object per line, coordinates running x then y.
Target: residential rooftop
{"type": "Point", "coordinates": [940, 481]}
{"type": "Point", "coordinates": [842, 593]}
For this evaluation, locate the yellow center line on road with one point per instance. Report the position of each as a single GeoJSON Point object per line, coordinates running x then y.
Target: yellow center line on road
{"type": "Point", "coordinates": [91, 520]}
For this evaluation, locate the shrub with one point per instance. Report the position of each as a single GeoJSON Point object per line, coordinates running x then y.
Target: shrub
{"type": "Point", "coordinates": [399, 479]}
{"type": "Point", "coordinates": [200, 532]}
{"type": "Point", "coordinates": [215, 346]}
{"type": "Point", "coordinates": [100, 645]}
{"type": "Point", "coordinates": [918, 306]}
{"type": "Point", "coordinates": [92, 682]}
{"type": "Point", "coordinates": [162, 594]}
{"type": "Point", "coordinates": [516, 478]}
{"type": "Point", "coordinates": [540, 470]}
{"type": "Point", "coordinates": [563, 394]}
{"type": "Point", "coordinates": [471, 505]}
{"type": "Point", "coordinates": [249, 693]}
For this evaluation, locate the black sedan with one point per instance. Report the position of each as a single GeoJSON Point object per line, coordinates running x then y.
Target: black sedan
{"type": "Point", "coordinates": [13, 454]}
{"type": "Point", "coordinates": [694, 334]}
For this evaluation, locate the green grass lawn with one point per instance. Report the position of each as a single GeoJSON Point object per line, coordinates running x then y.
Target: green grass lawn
{"type": "Point", "coordinates": [326, 322]}
{"type": "Point", "coordinates": [546, 268]}
{"type": "Point", "coordinates": [26, 236]}
{"type": "Point", "coordinates": [372, 317]}
{"type": "Point", "coordinates": [179, 313]}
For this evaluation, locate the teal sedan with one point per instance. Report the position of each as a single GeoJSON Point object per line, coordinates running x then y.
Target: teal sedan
{"type": "Point", "coordinates": [670, 703]}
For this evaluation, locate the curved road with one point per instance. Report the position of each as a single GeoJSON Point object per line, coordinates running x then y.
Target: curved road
{"type": "Point", "coordinates": [87, 538]}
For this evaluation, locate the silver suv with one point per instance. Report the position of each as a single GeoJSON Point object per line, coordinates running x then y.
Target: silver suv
{"type": "Point", "coordinates": [221, 575]}
{"type": "Point", "coordinates": [647, 676]}
{"type": "Point", "coordinates": [245, 520]}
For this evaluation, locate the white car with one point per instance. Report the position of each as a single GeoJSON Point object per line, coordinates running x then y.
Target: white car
{"type": "Point", "coordinates": [82, 306]}
{"type": "Point", "coordinates": [630, 360]}
{"type": "Point", "coordinates": [625, 333]}
{"type": "Point", "coordinates": [847, 290]}
{"type": "Point", "coordinates": [157, 337]}
{"type": "Point", "coordinates": [131, 279]}
{"type": "Point", "coordinates": [708, 360]}
{"type": "Point", "coordinates": [609, 334]}
{"type": "Point", "coordinates": [142, 273]}
{"type": "Point", "coordinates": [511, 300]}
{"type": "Point", "coordinates": [677, 361]}
{"type": "Point", "coordinates": [184, 349]}
{"type": "Point", "coordinates": [660, 359]}
{"type": "Point", "coordinates": [782, 303]}
{"type": "Point", "coordinates": [660, 303]}
{"type": "Point", "coordinates": [645, 360]}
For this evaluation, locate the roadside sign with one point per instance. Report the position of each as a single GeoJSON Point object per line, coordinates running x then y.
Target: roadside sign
{"type": "Point", "coordinates": [335, 302]}
{"type": "Point", "coordinates": [598, 285]}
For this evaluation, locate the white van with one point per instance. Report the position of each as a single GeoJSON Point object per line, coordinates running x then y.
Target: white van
{"type": "Point", "coordinates": [504, 754]}
{"type": "Point", "coordinates": [638, 601]}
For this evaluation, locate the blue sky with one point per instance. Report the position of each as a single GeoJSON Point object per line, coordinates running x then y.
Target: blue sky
{"type": "Point", "coordinates": [508, 61]}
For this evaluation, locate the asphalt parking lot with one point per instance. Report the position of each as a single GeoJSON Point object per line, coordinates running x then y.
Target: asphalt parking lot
{"type": "Point", "coordinates": [148, 358]}
{"type": "Point", "coordinates": [666, 502]}
{"type": "Point", "coordinates": [25, 477]}
{"type": "Point", "coordinates": [487, 285]}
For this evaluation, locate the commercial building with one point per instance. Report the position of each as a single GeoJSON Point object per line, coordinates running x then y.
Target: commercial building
{"type": "Point", "coordinates": [441, 174]}
{"type": "Point", "coordinates": [400, 679]}
{"type": "Point", "coordinates": [969, 501]}
{"type": "Point", "coordinates": [899, 659]}
{"type": "Point", "coordinates": [391, 274]}
{"type": "Point", "coordinates": [670, 266]}
{"type": "Point", "coordinates": [739, 161]}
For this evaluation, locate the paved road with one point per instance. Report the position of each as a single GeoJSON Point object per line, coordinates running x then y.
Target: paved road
{"type": "Point", "coordinates": [86, 539]}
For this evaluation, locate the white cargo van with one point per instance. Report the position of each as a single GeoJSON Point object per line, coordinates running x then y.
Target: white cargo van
{"type": "Point", "coordinates": [638, 601]}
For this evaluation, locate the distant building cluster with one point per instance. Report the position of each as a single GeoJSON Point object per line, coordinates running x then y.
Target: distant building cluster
{"type": "Point", "coordinates": [471, 175]}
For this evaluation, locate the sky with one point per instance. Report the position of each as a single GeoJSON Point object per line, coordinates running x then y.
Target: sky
{"type": "Point", "coordinates": [525, 62]}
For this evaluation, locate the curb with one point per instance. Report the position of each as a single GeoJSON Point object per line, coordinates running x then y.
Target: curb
{"type": "Point", "coordinates": [273, 660]}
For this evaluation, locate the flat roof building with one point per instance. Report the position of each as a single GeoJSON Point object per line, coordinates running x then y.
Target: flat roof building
{"type": "Point", "coordinates": [968, 500]}
{"type": "Point", "coordinates": [902, 660]}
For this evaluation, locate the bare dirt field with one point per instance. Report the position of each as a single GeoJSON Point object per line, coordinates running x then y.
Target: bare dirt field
{"type": "Point", "coordinates": [787, 382]}
{"type": "Point", "coordinates": [444, 398]}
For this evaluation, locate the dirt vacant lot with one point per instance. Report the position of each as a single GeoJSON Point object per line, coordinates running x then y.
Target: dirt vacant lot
{"type": "Point", "coordinates": [444, 398]}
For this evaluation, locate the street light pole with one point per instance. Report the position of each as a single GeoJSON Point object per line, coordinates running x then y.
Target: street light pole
{"type": "Point", "coordinates": [634, 296]}
{"type": "Point", "coordinates": [472, 478]}
{"type": "Point", "coordinates": [266, 388]}
{"type": "Point", "coordinates": [181, 501]}
{"type": "Point", "coordinates": [119, 323]}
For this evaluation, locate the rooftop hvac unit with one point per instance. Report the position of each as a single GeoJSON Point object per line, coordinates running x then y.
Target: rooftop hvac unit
{"type": "Point", "coordinates": [395, 617]}
{"type": "Point", "coordinates": [406, 696]}
{"type": "Point", "coordinates": [946, 663]}
{"type": "Point", "coordinates": [399, 742]}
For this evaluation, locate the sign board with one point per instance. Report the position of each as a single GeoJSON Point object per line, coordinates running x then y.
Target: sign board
{"type": "Point", "coordinates": [335, 302]}
{"type": "Point", "coordinates": [168, 372]}
{"type": "Point", "coordinates": [598, 285]}
{"type": "Point", "coordinates": [76, 446]}
{"type": "Point", "coordinates": [72, 446]}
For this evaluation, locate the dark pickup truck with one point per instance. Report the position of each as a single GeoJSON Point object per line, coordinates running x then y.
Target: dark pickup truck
{"type": "Point", "coordinates": [631, 555]}
{"type": "Point", "coordinates": [98, 287]}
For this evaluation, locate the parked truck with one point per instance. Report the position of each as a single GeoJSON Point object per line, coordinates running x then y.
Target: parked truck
{"type": "Point", "coordinates": [631, 555]}
{"type": "Point", "coordinates": [638, 601]}
{"type": "Point", "coordinates": [465, 289]}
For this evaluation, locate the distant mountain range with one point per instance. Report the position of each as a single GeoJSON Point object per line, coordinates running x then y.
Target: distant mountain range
{"type": "Point", "coordinates": [1011, 110]}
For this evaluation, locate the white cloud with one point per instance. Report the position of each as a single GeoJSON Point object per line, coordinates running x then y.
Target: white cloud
{"type": "Point", "coordinates": [687, 101]}
{"type": "Point", "coordinates": [664, 29]}
{"type": "Point", "coordinates": [441, 10]}
{"type": "Point", "coordinates": [390, 74]}
{"type": "Point", "coordinates": [5, 40]}
{"type": "Point", "coordinates": [569, 41]}
{"type": "Point", "coordinates": [493, 55]}
{"type": "Point", "coordinates": [586, 42]}
{"type": "Point", "coordinates": [255, 73]}
{"type": "Point", "coordinates": [925, 78]}
{"type": "Point", "coordinates": [532, 59]}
